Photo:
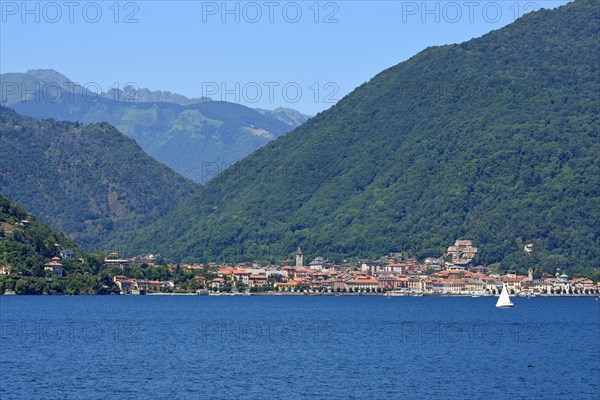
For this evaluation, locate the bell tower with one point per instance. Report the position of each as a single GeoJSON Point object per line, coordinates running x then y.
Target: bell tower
{"type": "Point", "coordinates": [299, 258]}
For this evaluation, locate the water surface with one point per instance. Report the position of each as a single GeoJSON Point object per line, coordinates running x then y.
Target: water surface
{"type": "Point", "coordinates": [177, 347]}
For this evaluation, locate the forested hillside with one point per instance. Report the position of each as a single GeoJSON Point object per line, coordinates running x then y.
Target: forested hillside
{"type": "Point", "coordinates": [88, 181]}
{"type": "Point", "coordinates": [494, 139]}
{"type": "Point", "coordinates": [27, 244]}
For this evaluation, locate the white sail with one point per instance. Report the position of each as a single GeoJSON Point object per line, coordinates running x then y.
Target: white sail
{"type": "Point", "coordinates": [504, 299]}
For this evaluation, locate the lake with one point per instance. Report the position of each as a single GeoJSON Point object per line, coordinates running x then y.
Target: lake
{"type": "Point", "coordinates": [239, 347]}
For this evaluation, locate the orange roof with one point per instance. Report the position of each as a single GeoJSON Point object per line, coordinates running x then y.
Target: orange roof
{"type": "Point", "coordinates": [507, 279]}
{"type": "Point", "coordinates": [53, 264]}
{"type": "Point", "coordinates": [365, 280]}
{"type": "Point", "coordinates": [225, 271]}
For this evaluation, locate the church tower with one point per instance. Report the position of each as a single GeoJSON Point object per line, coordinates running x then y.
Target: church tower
{"type": "Point", "coordinates": [299, 258]}
{"type": "Point", "coordinates": [530, 274]}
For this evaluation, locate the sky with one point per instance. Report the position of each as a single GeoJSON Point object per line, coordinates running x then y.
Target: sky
{"type": "Point", "coordinates": [304, 55]}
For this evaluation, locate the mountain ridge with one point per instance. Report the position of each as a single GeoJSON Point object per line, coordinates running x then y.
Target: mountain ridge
{"type": "Point", "coordinates": [89, 181]}
{"type": "Point", "coordinates": [192, 136]}
{"type": "Point", "coordinates": [460, 140]}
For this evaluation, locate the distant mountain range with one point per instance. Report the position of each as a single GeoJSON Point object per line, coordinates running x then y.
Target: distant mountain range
{"type": "Point", "coordinates": [88, 181]}
{"type": "Point", "coordinates": [495, 140]}
{"type": "Point", "coordinates": [196, 137]}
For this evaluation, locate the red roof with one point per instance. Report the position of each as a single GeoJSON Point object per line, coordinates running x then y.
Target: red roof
{"type": "Point", "coordinates": [240, 272]}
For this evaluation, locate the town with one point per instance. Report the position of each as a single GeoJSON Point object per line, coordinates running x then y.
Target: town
{"type": "Point", "coordinates": [391, 275]}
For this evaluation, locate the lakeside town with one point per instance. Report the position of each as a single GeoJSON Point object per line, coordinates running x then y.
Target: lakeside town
{"type": "Point", "coordinates": [453, 274]}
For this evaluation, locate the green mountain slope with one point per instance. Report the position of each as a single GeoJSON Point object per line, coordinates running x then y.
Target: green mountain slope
{"type": "Point", "coordinates": [26, 244]}
{"type": "Point", "coordinates": [196, 137]}
{"type": "Point", "coordinates": [25, 247]}
{"type": "Point", "coordinates": [89, 181]}
{"type": "Point", "coordinates": [495, 139]}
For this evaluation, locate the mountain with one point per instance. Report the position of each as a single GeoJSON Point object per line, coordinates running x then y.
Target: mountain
{"type": "Point", "coordinates": [286, 115]}
{"type": "Point", "coordinates": [196, 137]}
{"type": "Point", "coordinates": [48, 84]}
{"type": "Point", "coordinates": [89, 181]}
{"type": "Point", "coordinates": [494, 139]}
{"type": "Point", "coordinates": [25, 241]}
{"type": "Point", "coordinates": [26, 244]}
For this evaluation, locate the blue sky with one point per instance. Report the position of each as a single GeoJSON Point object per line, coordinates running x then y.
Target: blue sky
{"type": "Point", "coordinates": [303, 55]}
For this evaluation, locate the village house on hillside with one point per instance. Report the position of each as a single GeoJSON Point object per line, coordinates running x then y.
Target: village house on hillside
{"type": "Point", "coordinates": [54, 267]}
{"type": "Point", "coordinates": [462, 252]}
{"type": "Point", "coordinates": [113, 260]}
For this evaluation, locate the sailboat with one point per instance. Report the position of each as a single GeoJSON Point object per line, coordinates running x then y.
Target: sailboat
{"type": "Point", "coordinates": [504, 299]}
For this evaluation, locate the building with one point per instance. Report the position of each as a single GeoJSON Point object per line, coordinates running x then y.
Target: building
{"type": "Point", "coordinates": [561, 283]}
{"type": "Point", "coordinates": [126, 285]}
{"type": "Point", "coordinates": [371, 266]}
{"type": "Point", "coordinates": [113, 260]}
{"type": "Point", "coordinates": [363, 283]}
{"type": "Point", "coordinates": [289, 285]}
{"type": "Point", "coordinates": [415, 284]}
{"type": "Point", "coordinates": [4, 269]}
{"type": "Point", "coordinates": [258, 280]}
{"type": "Point", "coordinates": [318, 263]}
{"type": "Point", "coordinates": [67, 254]}
{"type": "Point", "coordinates": [55, 268]}
{"type": "Point", "coordinates": [387, 281]}
{"type": "Point", "coordinates": [480, 269]}
{"type": "Point", "coordinates": [149, 286]}
{"type": "Point", "coordinates": [462, 252]}
{"type": "Point", "coordinates": [299, 258]}
{"type": "Point", "coordinates": [241, 276]}
{"type": "Point", "coordinates": [217, 283]}
{"type": "Point", "coordinates": [514, 282]}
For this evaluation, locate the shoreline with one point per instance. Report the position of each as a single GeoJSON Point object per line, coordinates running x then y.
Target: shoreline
{"type": "Point", "coordinates": [391, 295]}
{"type": "Point", "coordinates": [307, 294]}
{"type": "Point", "coordinates": [285, 294]}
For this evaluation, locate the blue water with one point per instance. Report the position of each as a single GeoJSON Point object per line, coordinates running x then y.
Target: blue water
{"type": "Point", "coordinates": [196, 347]}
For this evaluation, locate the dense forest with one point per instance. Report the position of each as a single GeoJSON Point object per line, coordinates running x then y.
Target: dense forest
{"type": "Point", "coordinates": [88, 181]}
{"type": "Point", "coordinates": [494, 139]}
{"type": "Point", "coordinates": [26, 244]}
